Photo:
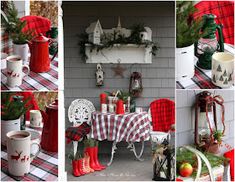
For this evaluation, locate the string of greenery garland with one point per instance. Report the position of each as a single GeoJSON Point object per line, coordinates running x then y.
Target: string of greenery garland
{"type": "Point", "coordinates": [108, 40]}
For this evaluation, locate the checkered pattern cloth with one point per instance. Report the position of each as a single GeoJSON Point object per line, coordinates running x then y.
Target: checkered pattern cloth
{"type": "Point", "coordinates": [163, 114]}
{"type": "Point", "coordinates": [75, 133]}
{"type": "Point", "coordinates": [201, 80]}
{"type": "Point", "coordinates": [44, 167]}
{"type": "Point", "coordinates": [35, 81]}
{"type": "Point", "coordinates": [224, 10]}
{"type": "Point", "coordinates": [132, 127]}
{"type": "Point", "coordinates": [36, 23]}
{"type": "Point", "coordinates": [6, 43]}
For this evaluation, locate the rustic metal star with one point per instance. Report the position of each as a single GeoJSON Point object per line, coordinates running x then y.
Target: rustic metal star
{"type": "Point", "coordinates": [118, 70]}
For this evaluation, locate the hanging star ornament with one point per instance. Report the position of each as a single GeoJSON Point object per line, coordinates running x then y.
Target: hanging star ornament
{"type": "Point", "coordinates": [118, 70]}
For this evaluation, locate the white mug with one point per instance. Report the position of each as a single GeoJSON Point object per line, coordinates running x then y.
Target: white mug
{"type": "Point", "coordinates": [111, 108]}
{"type": "Point", "coordinates": [18, 152]}
{"type": "Point", "coordinates": [104, 108]}
{"type": "Point", "coordinates": [15, 71]}
{"type": "Point", "coordinates": [138, 109]}
{"type": "Point", "coordinates": [3, 60]}
{"type": "Point", "coordinates": [35, 118]}
{"type": "Point", "coordinates": [222, 69]}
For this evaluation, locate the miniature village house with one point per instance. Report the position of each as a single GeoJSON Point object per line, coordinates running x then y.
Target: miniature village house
{"type": "Point", "coordinates": [94, 32]}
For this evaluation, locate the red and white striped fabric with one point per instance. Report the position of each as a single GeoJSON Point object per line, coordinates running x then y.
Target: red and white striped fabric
{"type": "Point", "coordinates": [131, 127]}
{"type": "Point", "coordinates": [36, 81]}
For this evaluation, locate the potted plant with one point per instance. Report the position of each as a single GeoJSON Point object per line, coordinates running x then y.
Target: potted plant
{"type": "Point", "coordinates": [11, 112]}
{"type": "Point", "coordinates": [187, 33]}
{"type": "Point", "coordinates": [14, 26]}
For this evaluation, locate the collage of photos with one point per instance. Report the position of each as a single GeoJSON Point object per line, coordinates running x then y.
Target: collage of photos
{"type": "Point", "coordinates": [117, 90]}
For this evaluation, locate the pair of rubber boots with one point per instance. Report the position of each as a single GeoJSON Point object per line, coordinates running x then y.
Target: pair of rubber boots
{"type": "Point", "coordinates": [88, 164]}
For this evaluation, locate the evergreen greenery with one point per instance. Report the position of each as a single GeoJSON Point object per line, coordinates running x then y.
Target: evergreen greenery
{"type": "Point", "coordinates": [187, 27]}
{"type": "Point", "coordinates": [12, 109]}
{"type": "Point", "coordinates": [14, 26]}
{"type": "Point", "coordinates": [109, 39]}
{"type": "Point", "coordinates": [184, 155]}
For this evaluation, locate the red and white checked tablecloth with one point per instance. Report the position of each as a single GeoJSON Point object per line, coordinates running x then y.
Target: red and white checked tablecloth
{"type": "Point", "coordinates": [36, 81]}
{"type": "Point", "coordinates": [44, 167]}
{"type": "Point", "coordinates": [131, 127]}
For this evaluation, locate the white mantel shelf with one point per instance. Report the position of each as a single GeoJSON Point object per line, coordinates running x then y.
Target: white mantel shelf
{"type": "Point", "coordinates": [123, 53]}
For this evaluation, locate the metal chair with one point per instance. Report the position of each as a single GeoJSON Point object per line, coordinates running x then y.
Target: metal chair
{"type": "Point", "coordinates": [80, 111]}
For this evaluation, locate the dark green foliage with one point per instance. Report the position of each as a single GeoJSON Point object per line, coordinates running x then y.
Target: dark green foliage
{"type": "Point", "coordinates": [108, 40]}
{"type": "Point", "coordinates": [13, 25]}
{"type": "Point", "coordinates": [184, 155]}
{"type": "Point", "coordinates": [187, 28]}
{"type": "Point", "coordinates": [12, 109]}
{"type": "Point", "coordinates": [218, 135]}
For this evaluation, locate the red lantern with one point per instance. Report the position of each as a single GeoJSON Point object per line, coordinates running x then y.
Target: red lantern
{"type": "Point", "coordinates": [206, 123]}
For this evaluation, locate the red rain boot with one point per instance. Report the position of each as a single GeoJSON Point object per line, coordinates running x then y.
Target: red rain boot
{"type": "Point", "coordinates": [87, 163]}
{"type": "Point", "coordinates": [81, 166]}
{"type": "Point", "coordinates": [96, 158]}
{"type": "Point", "coordinates": [90, 152]}
{"type": "Point", "coordinates": [76, 171]}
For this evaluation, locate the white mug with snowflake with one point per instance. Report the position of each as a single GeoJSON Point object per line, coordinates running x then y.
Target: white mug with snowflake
{"type": "Point", "coordinates": [222, 69]}
{"type": "Point", "coordinates": [15, 72]}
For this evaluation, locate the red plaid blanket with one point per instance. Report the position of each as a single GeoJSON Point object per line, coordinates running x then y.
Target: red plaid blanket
{"type": "Point", "coordinates": [36, 23]}
{"type": "Point", "coordinates": [163, 114]}
{"type": "Point", "coordinates": [74, 133]}
{"type": "Point", "coordinates": [201, 80]}
{"type": "Point", "coordinates": [224, 10]}
{"type": "Point", "coordinates": [6, 43]}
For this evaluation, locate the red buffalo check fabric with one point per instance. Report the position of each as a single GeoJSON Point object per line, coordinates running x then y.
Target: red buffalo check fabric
{"type": "Point", "coordinates": [44, 167]}
{"type": "Point", "coordinates": [224, 11]}
{"type": "Point", "coordinates": [75, 133]}
{"type": "Point", "coordinates": [6, 43]}
{"type": "Point", "coordinates": [37, 24]}
{"type": "Point", "coordinates": [163, 114]}
{"type": "Point", "coordinates": [131, 127]}
{"type": "Point", "coordinates": [35, 81]}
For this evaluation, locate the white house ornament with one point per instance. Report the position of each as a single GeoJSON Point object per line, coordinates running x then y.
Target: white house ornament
{"type": "Point", "coordinates": [94, 32]}
{"type": "Point", "coordinates": [99, 75]}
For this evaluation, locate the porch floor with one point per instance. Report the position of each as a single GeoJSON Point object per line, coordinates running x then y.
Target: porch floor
{"type": "Point", "coordinates": [124, 168]}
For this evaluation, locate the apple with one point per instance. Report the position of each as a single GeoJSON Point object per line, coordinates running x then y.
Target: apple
{"type": "Point", "coordinates": [186, 169]}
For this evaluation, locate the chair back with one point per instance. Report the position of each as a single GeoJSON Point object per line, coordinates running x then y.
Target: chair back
{"type": "Point", "coordinates": [80, 111]}
{"type": "Point", "coordinates": [162, 114]}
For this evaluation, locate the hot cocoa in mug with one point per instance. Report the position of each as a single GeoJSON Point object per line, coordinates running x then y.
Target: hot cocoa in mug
{"type": "Point", "coordinates": [19, 155]}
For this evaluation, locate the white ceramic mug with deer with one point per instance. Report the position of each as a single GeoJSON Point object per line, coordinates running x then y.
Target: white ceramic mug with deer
{"type": "Point", "coordinates": [35, 118]}
{"type": "Point", "coordinates": [18, 152]}
{"type": "Point", "coordinates": [15, 72]}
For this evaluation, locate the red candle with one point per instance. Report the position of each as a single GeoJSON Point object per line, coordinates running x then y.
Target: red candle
{"type": "Point", "coordinates": [120, 107]}
{"type": "Point", "coordinates": [103, 98]}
